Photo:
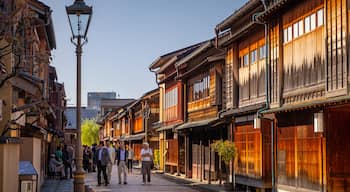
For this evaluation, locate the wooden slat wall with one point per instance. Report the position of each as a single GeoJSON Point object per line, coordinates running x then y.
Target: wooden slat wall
{"type": "Point", "coordinates": [274, 50]}
{"type": "Point", "coordinates": [338, 149]}
{"type": "Point", "coordinates": [299, 157]}
{"type": "Point", "coordinates": [173, 151]}
{"type": "Point", "coordinates": [137, 150]}
{"type": "Point", "coordinates": [229, 79]}
{"type": "Point", "coordinates": [266, 148]}
{"type": "Point", "coordinates": [337, 31]}
{"type": "Point", "coordinates": [138, 125]}
{"type": "Point", "coordinates": [203, 114]}
{"type": "Point", "coordinates": [196, 167]}
{"type": "Point", "coordinates": [252, 76]}
{"type": "Point", "coordinates": [206, 107]}
{"type": "Point", "coordinates": [207, 154]}
{"type": "Point", "coordinates": [303, 60]}
{"type": "Point", "coordinates": [248, 143]}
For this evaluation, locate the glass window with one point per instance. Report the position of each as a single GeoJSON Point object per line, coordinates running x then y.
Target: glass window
{"type": "Point", "coordinates": [245, 59]}
{"type": "Point", "coordinates": [253, 56]}
{"type": "Point", "coordinates": [307, 24]}
{"type": "Point", "coordinates": [290, 33]}
{"type": "Point", "coordinates": [313, 21]}
{"type": "Point", "coordinates": [171, 98]}
{"type": "Point", "coordinates": [319, 17]}
{"type": "Point", "coordinates": [296, 30]}
{"type": "Point", "coordinates": [199, 89]}
{"type": "Point", "coordinates": [301, 27]}
{"type": "Point", "coordinates": [262, 52]}
{"type": "Point", "coordinates": [285, 35]}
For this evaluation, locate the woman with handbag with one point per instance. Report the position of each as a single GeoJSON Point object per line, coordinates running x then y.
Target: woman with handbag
{"type": "Point", "coordinates": [147, 159]}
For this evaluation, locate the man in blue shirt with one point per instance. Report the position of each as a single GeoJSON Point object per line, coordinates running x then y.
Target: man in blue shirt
{"type": "Point", "coordinates": [122, 157]}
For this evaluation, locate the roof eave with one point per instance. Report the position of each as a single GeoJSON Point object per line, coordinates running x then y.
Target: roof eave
{"type": "Point", "coordinates": [226, 24]}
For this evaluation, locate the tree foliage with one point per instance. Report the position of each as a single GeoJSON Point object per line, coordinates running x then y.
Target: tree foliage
{"type": "Point", "coordinates": [89, 132]}
{"type": "Point", "coordinates": [225, 149]}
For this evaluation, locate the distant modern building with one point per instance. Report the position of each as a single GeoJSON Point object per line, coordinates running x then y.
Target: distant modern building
{"type": "Point", "coordinates": [71, 115]}
{"type": "Point", "coordinates": [94, 98]}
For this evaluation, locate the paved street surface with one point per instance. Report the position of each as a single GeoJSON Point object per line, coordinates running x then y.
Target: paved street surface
{"type": "Point", "coordinates": [57, 185]}
{"type": "Point", "coordinates": [158, 184]}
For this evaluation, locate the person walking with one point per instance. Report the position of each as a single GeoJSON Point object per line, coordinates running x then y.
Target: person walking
{"type": "Point", "coordinates": [146, 158]}
{"type": "Point", "coordinates": [59, 154]}
{"type": "Point", "coordinates": [86, 156]}
{"type": "Point", "coordinates": [56, 166]}
{"type": "Point", "coordinates": [111, 151]}
{"type": "Point", "coordinates": [102, 160]}
{"type": "Point", "coordinates": [67, 161]}
{"type": "Point", "coordinates": [94, 161]}
{"type": "Point", "coordinates": [130, 158]}
{"type": "Point", "coordinates": [122, 157]}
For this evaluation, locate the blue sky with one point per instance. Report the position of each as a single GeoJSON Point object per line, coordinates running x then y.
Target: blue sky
{"type": "Point", "coordinates": [126, 36]}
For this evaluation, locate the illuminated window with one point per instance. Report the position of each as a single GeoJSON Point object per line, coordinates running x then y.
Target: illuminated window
{"type": "Point", "coordinates": [313, 21]}
{"type": "Point", "coordinates": [296, 30]}
{"type": "Point", "coordinates": [199, 88]}
{"type": "Point", "coordinates": [301, 27]}
{"type": "Point", "coordinates": [319, 17]}
{"type": "Point", "coordinates": [253, 56]}
{"type": "Point", "coordinates": [285, 35]}
{"type": "Point", "coordinates": [290, 33]}
{"type": "Point", "coordinates": [171, 98]}
{"type": "Point", "coordinates": [262, 52]}
{"type": "Point", "coordinates": [245, 60]}
{"type": "Point", "coordinates": [307, 24]}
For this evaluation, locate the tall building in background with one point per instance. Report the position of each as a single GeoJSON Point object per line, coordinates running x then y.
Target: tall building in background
{"type": "Point", "coordinates": [94, 98]}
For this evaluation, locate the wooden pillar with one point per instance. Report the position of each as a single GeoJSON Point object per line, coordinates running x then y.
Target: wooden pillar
{"type": "Point", "coordinates": [200, 161]}
{"type": "Point", "coordinates": [209, 174]}
{"type": "Point", "coordinates": [178, 156]}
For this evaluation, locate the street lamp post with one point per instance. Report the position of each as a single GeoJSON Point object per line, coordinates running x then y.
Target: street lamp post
{"type": "Point", "coordinates": [79, 16]}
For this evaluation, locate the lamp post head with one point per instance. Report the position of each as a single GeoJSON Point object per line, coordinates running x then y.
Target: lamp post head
{"type": "Point", "coordinates": [79, 16]}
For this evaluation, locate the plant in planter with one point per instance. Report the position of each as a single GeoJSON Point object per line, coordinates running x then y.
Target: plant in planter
{"type": "Point", "coordinates": [227, 152]}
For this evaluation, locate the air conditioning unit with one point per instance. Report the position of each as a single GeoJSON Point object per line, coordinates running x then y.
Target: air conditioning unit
{"type": "Point", "coordinates": [257, 123]}
{"type": "Point", "coordinates": [318, 122]}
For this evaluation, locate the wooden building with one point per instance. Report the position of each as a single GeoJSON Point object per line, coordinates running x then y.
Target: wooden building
{"type": "Point", "coordinates": [245, 95]}
{"type": "Point", "coordinates": [142, 114]}
{"type": "Point", "coordinates": [201, 72]}
{"type": "Point", "coordinates": [301, 105]}
{"type": "Point", "coordinates": [109, 108]}
{"type": "Point", "coordinates": [171, 103]}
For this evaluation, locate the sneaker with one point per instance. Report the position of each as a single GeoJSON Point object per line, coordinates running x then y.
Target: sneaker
{"type": "Point", "coordinates": [143, 183]}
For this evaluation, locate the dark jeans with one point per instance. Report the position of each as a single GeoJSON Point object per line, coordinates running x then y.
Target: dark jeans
{"type": "Point", "coordinates": [146, 170]}
{"type": "Point", "coordinates": [103, 169]}
{"type": "Point", "coordinates": [66, 167]}
{"type": "Point", "coordinates": [130, 165]}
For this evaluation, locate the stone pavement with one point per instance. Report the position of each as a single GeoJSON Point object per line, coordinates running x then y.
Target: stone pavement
{"type": "Point", "coordinates": [52, 185]}
{"type": "Point", "coordinates": [158, 184]}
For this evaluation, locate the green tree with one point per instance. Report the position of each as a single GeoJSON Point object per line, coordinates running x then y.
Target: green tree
{"type": "Point", "coordinates": [89, 132]}
{"type": "Point", "coordinates": [227, 152]}
{"type": "Point", "coordinates": [225, 149]}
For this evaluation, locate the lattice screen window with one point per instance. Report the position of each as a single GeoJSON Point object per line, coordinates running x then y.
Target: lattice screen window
{"type": "Point", "coordinates": [229, 78]}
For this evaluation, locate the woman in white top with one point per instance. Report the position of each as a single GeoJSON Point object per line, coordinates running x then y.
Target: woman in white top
{"type": "Point", "coordinates": [130, 158]}
{"type": "Point", "coordinates": [146, 158]}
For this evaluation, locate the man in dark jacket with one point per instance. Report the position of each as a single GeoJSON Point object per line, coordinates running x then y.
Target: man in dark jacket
{"type": "Point", "coordinates": [102, 156]}
{"type": "Point", "coordinates": [67, 161]}
{"type": "Point", "coordinates": [122, 157]}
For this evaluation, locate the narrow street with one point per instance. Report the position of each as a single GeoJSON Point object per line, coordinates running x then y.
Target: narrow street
{"type": "Point", "coordinates": [159, 183]}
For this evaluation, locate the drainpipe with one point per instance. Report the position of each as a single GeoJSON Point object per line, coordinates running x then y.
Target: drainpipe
{"type": "Point", "coordinates": [267, 92]}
